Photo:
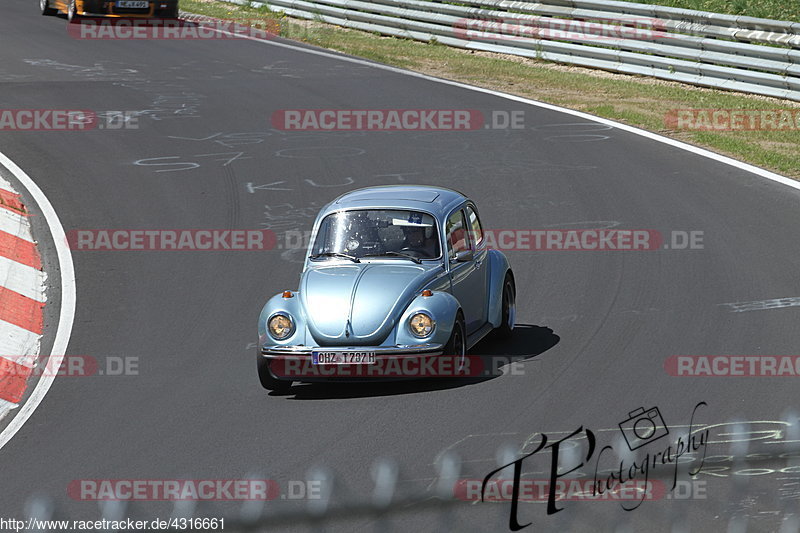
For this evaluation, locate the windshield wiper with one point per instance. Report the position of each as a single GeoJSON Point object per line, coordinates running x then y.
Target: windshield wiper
{"type": "Point", "coordinates": [397, 254]}
{"type": "Point", "coordinates": [335, 254]}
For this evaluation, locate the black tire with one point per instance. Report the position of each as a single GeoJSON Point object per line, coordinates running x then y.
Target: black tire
{"type": "Point", "coordinates": [457, 344]}
{"type": "Point", "coordinates": [44, 5]}
{"type": "Point", "coordinates": [267, 380]}
{"type": "Point", "coordinates": [72, 12]}
{"type": "Point", "coordinates": [509, 308]}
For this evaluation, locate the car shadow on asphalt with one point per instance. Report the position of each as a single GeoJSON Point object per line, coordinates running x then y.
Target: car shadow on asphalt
{"type": "Point", "coordinates": [490, 359]}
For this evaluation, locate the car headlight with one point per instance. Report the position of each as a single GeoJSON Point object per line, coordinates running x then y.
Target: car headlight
{"type": "Point", "coordinates": [280, 326]}
{"type": "Point", "coordinates": [421, 325]}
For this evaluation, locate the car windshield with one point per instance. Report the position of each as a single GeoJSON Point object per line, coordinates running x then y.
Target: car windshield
{"type": "Point", "coordinates": [377, 233]}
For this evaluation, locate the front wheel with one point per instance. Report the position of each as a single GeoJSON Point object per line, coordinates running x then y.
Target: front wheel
{"type": "Point", "coordinates": [44, 5]}
{"type": "Point", "coordinates": [268, 381]}
{"type": "Point", "coordinates": [457, 345]}
{"type": "Point", "coordinates": [509, 309]}
{"type": "Point", "coordinates": [72, 12]}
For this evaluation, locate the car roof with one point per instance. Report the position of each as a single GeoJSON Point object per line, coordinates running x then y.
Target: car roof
{"type": "Point", "coordinates": [437, 200]}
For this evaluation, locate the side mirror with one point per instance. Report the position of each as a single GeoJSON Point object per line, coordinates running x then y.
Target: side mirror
{"type": "Point", "coordinates": [463, 256]}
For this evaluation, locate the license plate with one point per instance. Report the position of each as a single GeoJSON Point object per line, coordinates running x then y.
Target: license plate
{"type": "Point", "coordinates": [351, 357]}
{"type": "Point", "coordinates": [133, 4]}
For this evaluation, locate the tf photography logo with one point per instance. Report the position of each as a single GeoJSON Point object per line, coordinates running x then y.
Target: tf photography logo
{"type": "Point", "coordinates": [641, 428]}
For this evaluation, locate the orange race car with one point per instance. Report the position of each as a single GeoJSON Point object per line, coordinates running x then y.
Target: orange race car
{"type": "Point", "coordinates": [111, 8]}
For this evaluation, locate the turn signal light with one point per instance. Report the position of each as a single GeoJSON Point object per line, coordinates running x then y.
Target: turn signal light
{"type": "Point", "coordinates": [288, 294]}
{"type": "Point", "coordinates": [427, 292]}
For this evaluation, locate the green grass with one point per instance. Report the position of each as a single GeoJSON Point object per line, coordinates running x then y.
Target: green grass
{"type": "Point", "coordinates": [768, 9]}
{"type": "Point", "coordinates": [632, 100]}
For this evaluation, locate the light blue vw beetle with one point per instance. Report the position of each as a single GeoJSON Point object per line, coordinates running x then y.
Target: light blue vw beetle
{"type": "Point", "coordinates": [392, 272]}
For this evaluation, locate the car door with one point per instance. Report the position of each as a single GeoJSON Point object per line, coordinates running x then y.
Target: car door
{"type": "Point", "coordinates": [466, 273]}
{"type": "Point", "coordinates": [478, 245]}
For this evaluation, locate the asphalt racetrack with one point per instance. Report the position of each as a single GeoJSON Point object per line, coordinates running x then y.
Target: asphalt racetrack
{"type": "Point", "coordinates": [595, 328]}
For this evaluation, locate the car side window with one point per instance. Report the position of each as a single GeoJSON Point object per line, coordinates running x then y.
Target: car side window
{"type": "Point", "coordinates": [456, 234]}
{"type": "Point", "coordinates": [475, 226]}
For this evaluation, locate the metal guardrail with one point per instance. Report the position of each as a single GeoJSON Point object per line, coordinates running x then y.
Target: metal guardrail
{"type": "Point", "coordinates": [742, 450]}
{"type": "Point", "coordinates": [746, 54]}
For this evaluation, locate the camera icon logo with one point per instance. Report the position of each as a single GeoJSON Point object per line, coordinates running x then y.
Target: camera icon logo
{"type": "Point", "coordinates": [643, 427]}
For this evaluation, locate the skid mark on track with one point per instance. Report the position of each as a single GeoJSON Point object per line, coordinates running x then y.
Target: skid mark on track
{"type": "Point", "coordinates": [762, 305]}
{"type": "Point", "coordinates": [96, 71]}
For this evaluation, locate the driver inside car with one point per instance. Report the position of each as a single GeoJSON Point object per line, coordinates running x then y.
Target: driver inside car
{"type": "Point", "coordinates": [417, 241]}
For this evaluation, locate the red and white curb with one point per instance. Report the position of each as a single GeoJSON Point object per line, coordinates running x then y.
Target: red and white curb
{"type": "Point", "coordinates": [22, 299]}
{"type": "Point", "coordinates": [17, 340]}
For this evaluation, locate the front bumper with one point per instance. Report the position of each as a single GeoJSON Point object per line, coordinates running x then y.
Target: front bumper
{"type": "Point", "coordinates": [133, 15]}
{"type": "Point", "coordinates": [282, 351]}
{"type": "Point", "coordinates": [294, 363]}
{"type": "Point", "coordinates": [106, 8]}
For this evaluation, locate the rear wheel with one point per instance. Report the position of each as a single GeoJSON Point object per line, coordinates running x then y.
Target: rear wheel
{"type": "Point", "coordinates": [509, 314]}
{"type": "Point", "coordinates": [268, 381]}
{"type": "Point", "coordinates": [44, 5]}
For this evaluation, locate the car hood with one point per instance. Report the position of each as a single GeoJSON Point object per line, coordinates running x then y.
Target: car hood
{"type": "Point", "coordinates": [359, 304]}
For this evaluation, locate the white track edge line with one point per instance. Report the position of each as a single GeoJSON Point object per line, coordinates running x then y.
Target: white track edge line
{"type": "Point", "coordinates": [68, 299]}
{"type": "Point", "coordinates": [618, 125]}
